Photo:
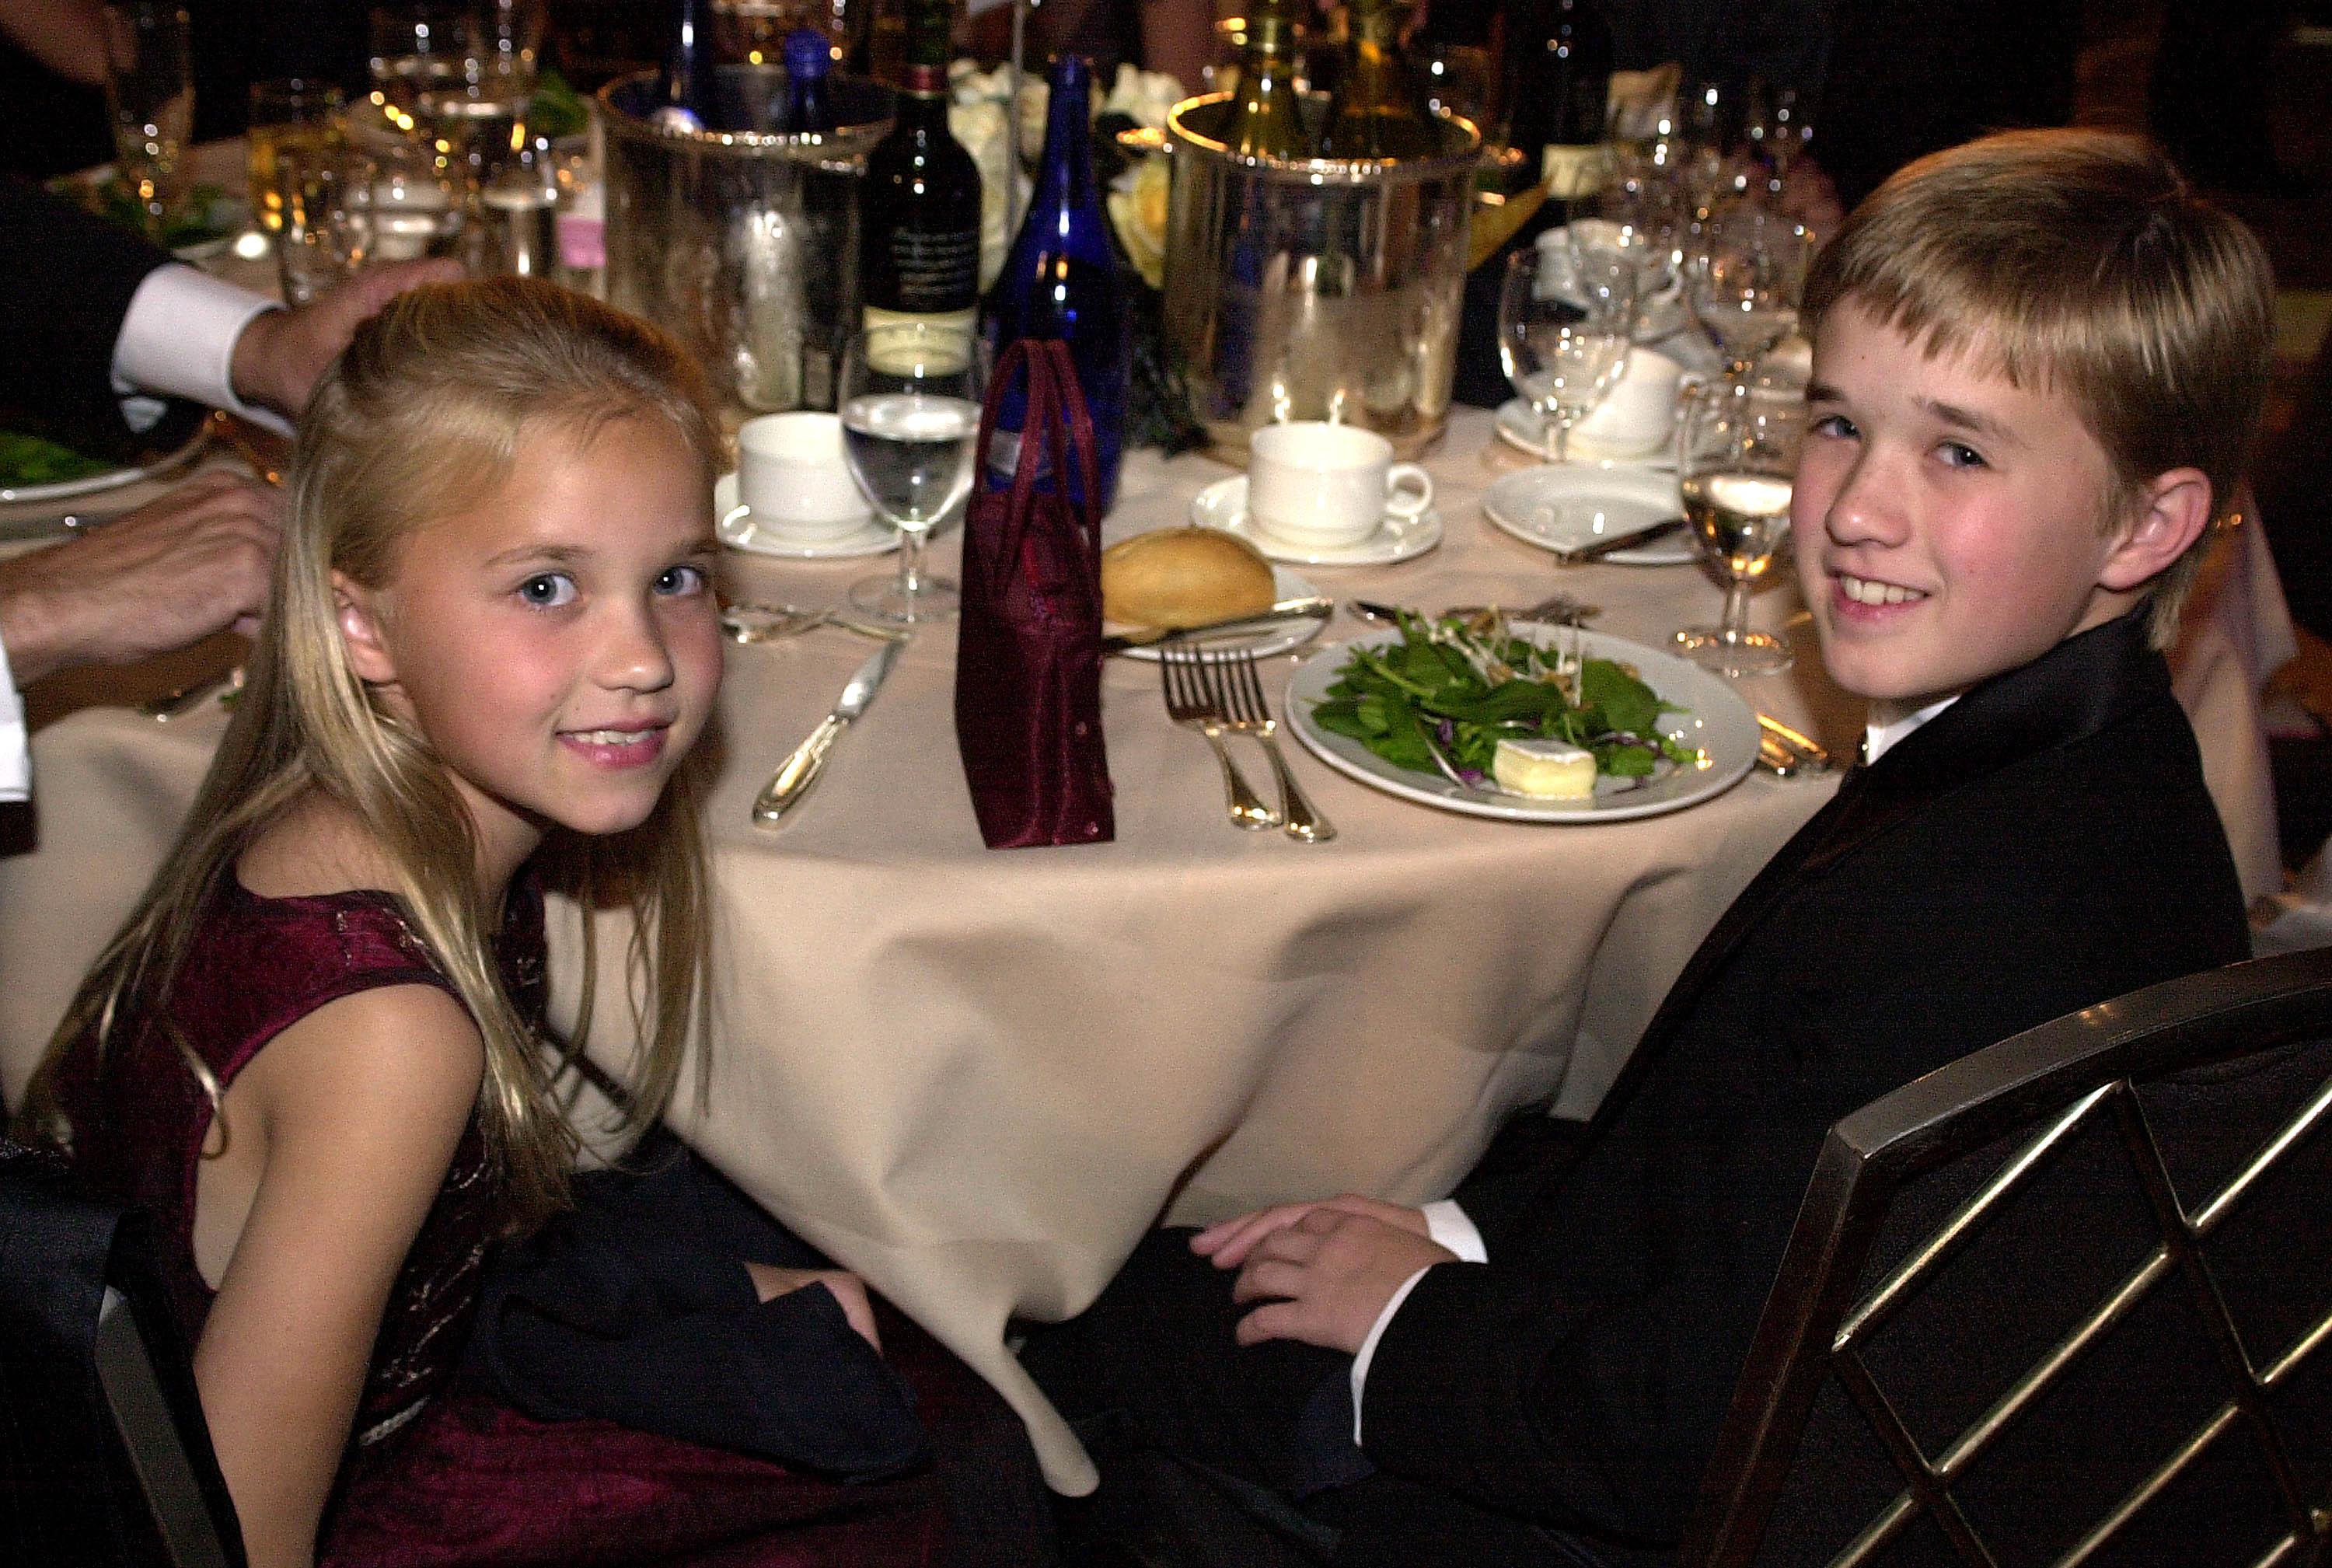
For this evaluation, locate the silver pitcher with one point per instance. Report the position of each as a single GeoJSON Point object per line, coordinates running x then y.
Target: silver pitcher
{"type": "Point", "coordinates": [743, 245]}
{"type": "Point", "coordinates": [1318, 288]}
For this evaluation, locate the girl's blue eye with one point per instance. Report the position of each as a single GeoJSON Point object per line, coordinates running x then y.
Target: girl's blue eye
{"type": "Point", "coordinates": [548, 590]}
{"type": "Point", "coordinates": [1958, 454]}
{"type": "Point", "coordinates": [679, 580]}
{"type": "Point", "coordinates": [1837, 427]}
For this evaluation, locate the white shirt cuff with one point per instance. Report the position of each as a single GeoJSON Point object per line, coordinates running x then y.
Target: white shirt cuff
{"type": "Point", "coordinates": [15, 747]}
{"type": "Point", "coordinates": [177, 339]}
{"type": "Point", "coordinates": [1448, 1227]}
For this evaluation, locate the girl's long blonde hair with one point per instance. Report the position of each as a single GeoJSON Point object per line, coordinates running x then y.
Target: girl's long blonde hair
{"type": "Point", "coordinates": [422, 415]}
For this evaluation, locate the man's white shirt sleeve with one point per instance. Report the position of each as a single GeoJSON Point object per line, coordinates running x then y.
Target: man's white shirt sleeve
{"type": "Point", "coordinates": [177, 339]}
{"type": "Point", "coordinates": [1448, 1227]}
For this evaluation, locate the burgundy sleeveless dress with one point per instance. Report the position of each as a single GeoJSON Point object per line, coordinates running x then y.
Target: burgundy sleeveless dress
{"type": "Point", "coordinates": [435, 1475]}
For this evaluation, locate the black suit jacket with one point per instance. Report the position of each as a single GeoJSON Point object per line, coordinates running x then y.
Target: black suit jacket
{"type": "Point", "coordinates": [66, 279]}
{"type": "Point", "coordinates": [2044, 843]}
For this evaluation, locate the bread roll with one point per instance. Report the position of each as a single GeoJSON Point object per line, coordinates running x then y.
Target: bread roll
{"type": "Point", "coordinates": [1183, 576]}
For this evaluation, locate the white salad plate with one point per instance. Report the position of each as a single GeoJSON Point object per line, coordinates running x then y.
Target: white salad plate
{"type": "Point", "coordinates": [1704, 715]}
{"type": "Point", "coordinates": [1562, 508]}
{"type": "Point", "coordinates": [111, 478]}
{"type": "Point", "coordinates": [738, 530]}
{"type": "Point", "coordinates": [1223, 505]}
{"type": "Point", "coordinates": [1283, 639]}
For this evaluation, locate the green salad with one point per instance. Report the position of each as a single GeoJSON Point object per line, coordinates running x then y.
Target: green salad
{"type": "Point", "coordinates": [201, 215]}
{"type": "Point", "coordinates": [1470, 684]}
{"type": "Point", "coordinates": [30, 460]}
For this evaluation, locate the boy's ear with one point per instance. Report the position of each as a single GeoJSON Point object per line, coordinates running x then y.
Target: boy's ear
{"type": "Point", "coordinates": [2171, 513]}
{"type": "Point", "coordinates": [357, 610]}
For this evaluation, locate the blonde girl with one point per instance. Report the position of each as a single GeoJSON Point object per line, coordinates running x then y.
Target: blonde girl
{"type": "Point", "coordinates": [490, 644]}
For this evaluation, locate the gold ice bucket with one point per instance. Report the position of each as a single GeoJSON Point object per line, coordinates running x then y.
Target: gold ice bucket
{"type": "Point", "coordinates": [1314, 288]}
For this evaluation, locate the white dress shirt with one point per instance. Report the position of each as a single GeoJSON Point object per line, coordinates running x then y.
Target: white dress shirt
{"type": "Point", "coordinates": [177, 338]}
{"type": "Point", "coordinates": [1449, 1224]}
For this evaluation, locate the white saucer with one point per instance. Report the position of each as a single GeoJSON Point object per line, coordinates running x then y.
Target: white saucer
{"type": "Point", "coordinates": [738, 531]}
{"type": "Point", "coordinates": [1223, 505]}
{"type": "Point", "coordinates": [1563, 508]}
{"type": "Point", "coordinates": [1284, 585]}
{"type": "Point", "coordinates": [1519, 426]}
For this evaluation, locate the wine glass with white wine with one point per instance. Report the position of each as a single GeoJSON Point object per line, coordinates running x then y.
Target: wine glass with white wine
{"type": "Point", "coordinates": [1737, 456]}
{"type": "Point", "coordinates": [910, 398]}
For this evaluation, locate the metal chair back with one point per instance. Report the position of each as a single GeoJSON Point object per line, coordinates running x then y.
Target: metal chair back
{"type": "Point", "coordinates": [2062, 1301]}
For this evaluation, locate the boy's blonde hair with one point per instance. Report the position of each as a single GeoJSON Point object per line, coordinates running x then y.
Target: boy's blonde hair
{"type": "Point", "coordinates": [422, 415]}
{"type": "Point", "coordinates": [2079, 262]}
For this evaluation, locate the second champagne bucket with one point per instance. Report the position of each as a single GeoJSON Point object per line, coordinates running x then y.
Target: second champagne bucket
{"type": "Point", "coordinates": [743, 245]}
{"type": "Point", "coordinates": [1315, 289]}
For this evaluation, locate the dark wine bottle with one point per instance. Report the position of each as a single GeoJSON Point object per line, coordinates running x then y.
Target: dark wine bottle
{"type": "Point", "coordinates": [690, 80]}
{"type": "Point", "coordinates": [1559, 93]}
{"type": "Point", "coordinates": [1379, 112]}
{"type": "Point", "coordinates": [1268, 121]}
{"type": "Point", "coordinates": [1059, 280]}
{"type": "Point", "coordinates": [921, 256]}
{"type": "Point", "coordinates": [809, 57]}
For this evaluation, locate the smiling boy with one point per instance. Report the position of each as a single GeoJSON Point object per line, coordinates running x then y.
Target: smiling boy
{"type": "Point", "coordinates": [2038, 368]}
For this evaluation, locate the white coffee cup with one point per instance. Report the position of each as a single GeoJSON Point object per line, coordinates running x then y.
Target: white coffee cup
{"type": "Point", "coordinates": [1323, 485]}
{"type": "Point", "coordinates": [792, 477]}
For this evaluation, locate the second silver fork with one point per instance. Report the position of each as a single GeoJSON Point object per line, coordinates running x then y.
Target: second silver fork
{"type": "Point", "coordinates": [1182, 680]}
{"type": "Point", "coordinates": [1249, 714]}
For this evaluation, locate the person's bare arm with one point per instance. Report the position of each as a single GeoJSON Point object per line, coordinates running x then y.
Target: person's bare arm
{"type": "Point", "coordinates": [281, 354]}
{"type": "Point", "coordinates": [360, 1105]}
{"type": "Point", "coordinates": [182, 567]}
{"type": "Point", "coordinates": [68, 36]}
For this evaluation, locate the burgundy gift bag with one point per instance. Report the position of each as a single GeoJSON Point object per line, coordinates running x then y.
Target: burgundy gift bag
{"type": "Point", "coordinates": [1027, 666]}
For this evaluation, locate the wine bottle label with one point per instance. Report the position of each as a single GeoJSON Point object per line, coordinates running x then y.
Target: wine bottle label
{"type": "Point", "coordinates": [936, 271]}
{"type": "Point", "coordinates": [1570, 172]}
{"type": "Point", "coordinates": [897, 352]}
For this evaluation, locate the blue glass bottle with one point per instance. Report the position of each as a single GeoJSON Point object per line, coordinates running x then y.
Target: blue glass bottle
{"type": "Point", "coordinates": [690, 82]}
{"type": "Point", "coordinates": [1060, 278]}
{"type": "Point", "coordinates": [808, 58]}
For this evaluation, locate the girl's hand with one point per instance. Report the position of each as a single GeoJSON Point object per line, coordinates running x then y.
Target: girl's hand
{"type": "Point", "coordinates": [770, 1281]}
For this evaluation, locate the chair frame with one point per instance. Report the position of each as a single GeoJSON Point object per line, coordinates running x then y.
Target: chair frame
{"type": "Point", "coordinates": [2061, 1075]}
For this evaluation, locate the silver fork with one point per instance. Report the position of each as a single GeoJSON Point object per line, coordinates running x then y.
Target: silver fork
{"type": "Point", "coordinates": [1242, 692]}
{"type": "Point", "coordinates": [1181, 676]}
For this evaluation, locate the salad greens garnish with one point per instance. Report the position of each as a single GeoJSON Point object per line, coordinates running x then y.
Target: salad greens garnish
{"type": "Point", "coordinates": [1471, 683]}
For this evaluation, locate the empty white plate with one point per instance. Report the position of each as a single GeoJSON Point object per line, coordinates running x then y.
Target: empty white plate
{"type": "Point", "coordinates": [1564, 508]}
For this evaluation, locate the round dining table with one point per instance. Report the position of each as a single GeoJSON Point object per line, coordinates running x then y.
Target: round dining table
{"type": "Point", "coordinates": [977, 1077]}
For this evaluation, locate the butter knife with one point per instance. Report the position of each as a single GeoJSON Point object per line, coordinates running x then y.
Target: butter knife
{"type": "Point", "coordinates": [1619, 541]}
{"type": "Point", "coordinates": [799, 771]}
{"type": "Point", "coordinates": [1272, 620]}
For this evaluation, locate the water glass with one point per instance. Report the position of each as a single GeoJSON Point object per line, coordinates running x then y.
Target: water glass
{"type": "Point", "coordinates": [1564, 316]}
{"type": "Point", "coordinates": [1737, 456]}
{"type": "Point", "coordinates": [328, 218]}
{"type": "Point", "coordinates": [285, 112]}
{"type": "Point", "coordinates": [1745, 286]}
{"type": "Point", "coordinates": [149, 99]}
{"type": "Point", "coordinates": [416, 211]}
{"type": "Point", "coordinates": [910, 396]}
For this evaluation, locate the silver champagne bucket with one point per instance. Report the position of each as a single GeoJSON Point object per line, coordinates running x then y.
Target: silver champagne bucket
{"type": "Point", "coordinates": [743, 245]}
{"type": "Point", "coordinates": [1315, 289]}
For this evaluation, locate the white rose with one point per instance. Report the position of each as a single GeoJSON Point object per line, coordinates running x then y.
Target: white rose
{"type": "Point", "coordinates": [1137, 210]}
{"type": "Point", "coordinates": [1142, 96]}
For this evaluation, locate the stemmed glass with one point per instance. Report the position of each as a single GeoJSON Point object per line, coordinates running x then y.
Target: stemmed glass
{"type": "Point", "coordinates": [1737, 456]}
{"type": "Point", "coordinates": [1746, 286]}
{"type": "Point", "coordinates": [1565, 315]}
{"type": "Point", "coordinates": [327, 228]}
{"type": "Point", "coordinates": [1647, 213]}
{"type": "Point", "coordinates": [149, 97]}
{"type": "Point", "coordinates": [910, 398]}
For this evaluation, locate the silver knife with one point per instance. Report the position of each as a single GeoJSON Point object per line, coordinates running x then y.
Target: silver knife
{"type": "Point", "coordinates": [799, 771]}
{"type": "Point", "coordinates": [1272, 620]}
{"type": "Point", "coordinates": [1619, 541]}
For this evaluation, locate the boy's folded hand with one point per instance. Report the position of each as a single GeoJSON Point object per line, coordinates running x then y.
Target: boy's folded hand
{"type": "Point", "coordinates": [1325, 1279]}
{"type": "Point", "coordinates": [850, 1291]}
{"type": "Point", "coordinates": [1229, 1243]}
